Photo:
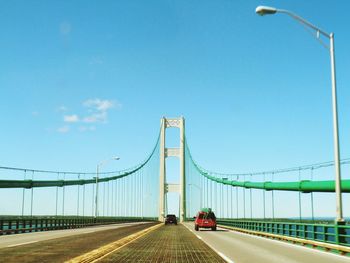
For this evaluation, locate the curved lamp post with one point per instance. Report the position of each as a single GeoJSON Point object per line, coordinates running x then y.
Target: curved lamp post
{"type": "Point", "coordinates": [115, 158]}
{"type": "Point", "coordinates": [266, 10]}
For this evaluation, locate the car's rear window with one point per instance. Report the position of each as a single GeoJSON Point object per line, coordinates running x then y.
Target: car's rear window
{"type": "Point", "coordinates": [207, 216]}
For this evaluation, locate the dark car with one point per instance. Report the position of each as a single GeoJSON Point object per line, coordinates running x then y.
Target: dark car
{"type": "Point", "coordinates": [170, 219]}
{"type": "Point", "coordinates": [205, 219]}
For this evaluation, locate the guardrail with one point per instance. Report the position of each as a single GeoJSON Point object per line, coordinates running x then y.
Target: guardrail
{"type": "Point", "coordinates": [15, 225]}
{"type": "Point", "coordinates": [336, 234]}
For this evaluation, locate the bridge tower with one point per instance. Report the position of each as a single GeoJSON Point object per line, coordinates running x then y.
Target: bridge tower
{"type": "Point", "coordinates": [178, 152]}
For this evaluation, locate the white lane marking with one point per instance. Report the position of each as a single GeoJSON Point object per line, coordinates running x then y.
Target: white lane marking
{"type": "Point", "coordinates": [288, 244]}
{"type": "Point", "coordinates": [24, 243]}
{"type": "Point", "coordinates": [222, 255]}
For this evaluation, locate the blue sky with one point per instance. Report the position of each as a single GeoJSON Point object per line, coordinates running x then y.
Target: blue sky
{"type": "Point", "coordinates": [85, 80]}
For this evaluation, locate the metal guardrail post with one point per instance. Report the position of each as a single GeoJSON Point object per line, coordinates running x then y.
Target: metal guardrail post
{"type": "Point", "coordinates": [339, 232]}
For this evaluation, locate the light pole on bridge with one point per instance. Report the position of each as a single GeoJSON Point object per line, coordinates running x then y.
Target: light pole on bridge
{"type": "Point", "coordinates": [264, 10]}
{"type": "Point", "coordinates": [97, 177]}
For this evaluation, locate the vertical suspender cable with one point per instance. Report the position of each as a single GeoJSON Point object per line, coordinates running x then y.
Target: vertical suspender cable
{"type": "Point", "coordinates": [133, 186]}
{"type": "Point", "coordinates": [141, 193]}
{"type": "Point", "coordinates": [111, 203]}
{"type": "Point", "coordinates": [208, 192]}
{"type": "Point", "coordinates": [273, 201]}
{"type": "Point", "coordinates": [312, 197]}
{"type": "Point", "coordinates": [23, 192]}
{"type": "Point", "coordinates": [237, 198]}
{"type": "Point", "coordinates": [110, 198]}
{"type": "Point", "coordinates": [116, 196]}
{"type": "Point", "coordinates": [135, 192]}
{"type": "Point", "coordinates": [104, 197]}
{"type": "Point", "coordinates": [32, 197]}
{"type": "Point", "coordinates": [93, 199]}
{"type": "Point", "coordinates": [84, 197]}
{"type": "Point", "coordinates": [56, 210]}
{"type": "Point", "coordinates": [243, 189]}
{"type": "Point", "coordinates": [264, 192]}
{"type": "Point", "coordinates": [78, 199]}
{"type": "Point", "coordinates": [231, 188]}
{"type": "Point", "coordinates": [251, 201]}
{"type": "Point", "coordinates": [299, 193]}
{"type": "Point", "coordinates": [222, 201]}
{"type": "Point", "coordinates": [137, 199]}
{"type": "Point", "coordinates": [215, 196]}
{"type": "Point", "coordinates": [189, 205]}
{"type": "Point", "coordinates": [113, 197]}
{"type": "Point", "coordinates": [125, 190]}
{"type": "Point", "coordinates": [201, 190]}
{"type": "Point", "coordinates": [63, 194]}
{"type": "Point", "coordinates": [131, 195]}
{"type": "Point", "coordinates": [126, 197]}
{"type": "Point", "coordinates": [227, 201]}
{"type": "Point", "coordinates": [120, 197]}
{"type": "Point", "coordinates": [123, 193]}
{"type": "Point", "coordinates": [107, 201]}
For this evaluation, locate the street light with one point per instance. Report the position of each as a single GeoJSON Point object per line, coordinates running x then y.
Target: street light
{"type": "Point", "coordinates": [265, 10]}
{"type": "Point", "coordinates": [115, 158]}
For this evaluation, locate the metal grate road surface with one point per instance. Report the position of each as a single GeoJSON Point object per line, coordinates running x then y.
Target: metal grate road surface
{"type": "Point", "coordinates": [165, 244]}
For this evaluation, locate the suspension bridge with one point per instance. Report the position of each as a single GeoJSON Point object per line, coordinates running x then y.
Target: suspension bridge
{"type": "Point", "coordinates": [120, 206]}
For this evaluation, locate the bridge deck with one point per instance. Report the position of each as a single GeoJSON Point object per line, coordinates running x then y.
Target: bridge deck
{"type": "Point", "coordinates": [31, 247]}
{"type": "Point", "coordinates": [165, 244]}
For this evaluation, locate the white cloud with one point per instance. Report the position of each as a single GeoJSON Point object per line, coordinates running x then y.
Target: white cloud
{"type": "Point", "coordinates": [99, 109]}
{"type": "Point", "coordinates": [96, 117]}
{"type": "Point", "coordinates": [97, 112]}
{"type": "Point", "coordinates": [63, 129]}
{"type": "Point", "coordinates": [71, 118]}
{"type": "Point", "coordinates": [100, 105]}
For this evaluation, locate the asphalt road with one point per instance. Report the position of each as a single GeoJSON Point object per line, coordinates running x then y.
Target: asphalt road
{"type": "Point", "coordinates": [29, 238]}
{"type": "Point", "coordinates": [166, 244]}
{"type": "Point", "coordinates": [240, 248]}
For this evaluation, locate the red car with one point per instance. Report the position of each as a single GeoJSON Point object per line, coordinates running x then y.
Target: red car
{"type": "Point", "coordinates": [205, 219]}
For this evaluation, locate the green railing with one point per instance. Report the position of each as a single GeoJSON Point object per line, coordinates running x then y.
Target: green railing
{"type": "Point", "coordinates": [328, 233]}
{"type": "Point", "coordinates": [17, 224]}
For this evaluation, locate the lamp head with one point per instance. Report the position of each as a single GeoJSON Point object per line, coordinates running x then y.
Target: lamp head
{"type": "Point", "coordinates": [265, 10]}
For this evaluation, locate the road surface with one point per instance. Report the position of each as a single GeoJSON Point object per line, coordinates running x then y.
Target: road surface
{"type": "Point", "coordinates": [28, 238]}
{"type": "Point", "coordinates": [166, 244]}
{"type": "Point", "coordinates": [240, 248]}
